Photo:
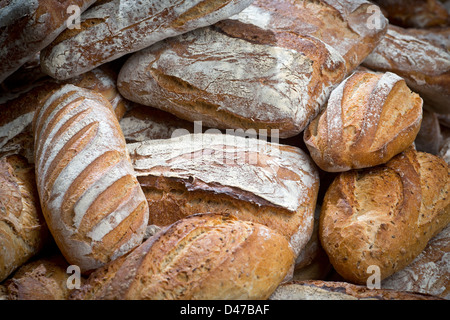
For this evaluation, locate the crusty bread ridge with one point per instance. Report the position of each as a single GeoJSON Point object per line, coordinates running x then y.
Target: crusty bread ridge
{"type": "Point", "coordinates": [90, 197]}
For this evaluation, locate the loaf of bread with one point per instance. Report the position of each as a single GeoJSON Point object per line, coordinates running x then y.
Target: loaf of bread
{"type": "Point", "coordinates": [444, 151]}
{"type": "Point", "coordinates": [201, 257]}
{"type": "Point", "coordinates": [369, 119]}
{"type": "Point", "coordinates": [337, 290]}
{"type": "Point", "coordinates": [16, 115]}
{"type": "Point", "coordinates": [415, 13]}
{"type": "Point", "coordinates": [142, 123]}
{"type": "Point", "coordinates": [269, 67]}
{"type": "Point", "coordinates": [381, 218]}
{"type": "Point", "coordinates": [26, 27]}
{"type": "Point", "coordinates": [90, 197]}
{"type": "Point", "coordinates": [259, 181]}
{"type": "Point", "coordinates": [42, 279]}
{"type": "Point", "coordinates": [429, 273]}
{"type": "Point", "coordinates": [23, 231]}
{"type": "Point", "coordinates": [113, 28]}
{"type": "Point", "coordinates": [424, 66]}
{"type": "Point", "coordinates": [440, 37]}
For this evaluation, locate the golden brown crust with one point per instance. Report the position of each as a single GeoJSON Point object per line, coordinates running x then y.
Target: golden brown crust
{"type": "Point", "coordinates": [23, 231]}
{"type": "Point", "coordinates": [384, 216]}
{"type": "Point", "coordinates": [207, 256]}
{"type": "Point", "coordinates": [369, 119]}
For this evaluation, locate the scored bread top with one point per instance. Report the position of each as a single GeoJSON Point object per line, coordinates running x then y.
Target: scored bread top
{"type": "Point", "coordinates": [90, 196]}
{"type": "Point", "coordinates": [252, 169]}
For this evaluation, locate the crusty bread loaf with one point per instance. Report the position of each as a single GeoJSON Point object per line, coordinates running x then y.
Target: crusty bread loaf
{"type": "Point", "coordinates": [89, 194]}
{"type": "Point", "coordinates": [16, 115]}
{"type": "Point", "coordinates": [384, 216]}
{"type": "Point", "coordinates": [42, 279]}
{"type": "Point", "coordinates": [23, 231]}
{"type": "Point", "coordinates": [267, 183]}
{"type": "Point", "coordinates": [424, 66]}
{"type": "Point", "coordinates": [113, 28]}
{"type": "Point", "coordinates": [444, 151]}
{"type": "Point", "coordinates": [142, 123]}
{"type": "Point", "coordinates": [26, 27]}
{"type": "Point", "coordinates": [269, 67]}
{"type": "Point", "coordinates": [429, 273]}
{"type": "Point", "coordinates": [337, 290]}
{"type": "Point", "coordinates": [415, 13]}
{"type": "Point", "coordinates": [440, 37]}
{"type": "Point", "coordinates": [207, 256]}
{"type": "Point", "coordinates": [369, 119]}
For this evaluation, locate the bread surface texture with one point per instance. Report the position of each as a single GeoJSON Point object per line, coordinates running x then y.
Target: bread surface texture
{"type": "Point", "coordinates": [201, 257]}
{"type": "Point", "coordinates": [369, 119]}
{"type": "Point", "coordinates": [91, 199]}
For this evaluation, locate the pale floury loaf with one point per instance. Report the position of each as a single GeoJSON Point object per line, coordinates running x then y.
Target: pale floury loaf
{"type": "Point", "coordinates": [90, 197]}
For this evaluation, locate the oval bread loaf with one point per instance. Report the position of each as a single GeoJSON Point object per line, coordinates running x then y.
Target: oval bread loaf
{"type": "Point", "coordinates": [23, 231]}
{"type": "Point", "coordinates": [201, 257]}
{"type": "Point", "coordinates": [91, 199]}
{"type": "Point", "coordinates": [268, 183]}
{"type": "Point", "coordinates": [369, 119]}
{"type": "Point", "coordinates": [383, 217]}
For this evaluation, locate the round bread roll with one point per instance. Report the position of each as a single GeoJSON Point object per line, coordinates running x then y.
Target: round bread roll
{"type": "Point", "coordinates": [369, 119]}
{"type": "Point", "coordinates": [382, 218]}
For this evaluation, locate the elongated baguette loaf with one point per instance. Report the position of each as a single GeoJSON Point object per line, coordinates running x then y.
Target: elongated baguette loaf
{"type": "Point", "coordinates": [429, 273]}
{"type": "Point", "coordinates": [26, 27]}
{"type": "Point", "coordinates": [113, 28]}
{"type": "Point", "coordinates": [424, 66]}
{"type": "Point", "coordinates": [23, 231]}
{"type": "Point", "coordinates": [90, 197]}
{"type": "Point", "coordinates": [383, 217]}
{"type": "Point", "coordinates": [267, 183]}
{"type": "Point", "coordinates": [207, 256]}
{"type": "Point", "coordinates": [337, 290]}
{"type": "Point", "coordinates": [369, 119]}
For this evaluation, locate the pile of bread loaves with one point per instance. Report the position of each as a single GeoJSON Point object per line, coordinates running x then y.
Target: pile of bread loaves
{"type": "Point", "coordinates": [224, 149]}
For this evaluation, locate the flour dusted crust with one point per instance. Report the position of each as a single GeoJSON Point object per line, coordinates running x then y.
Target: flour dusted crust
{"type": "Point", "coordinates": [384, 216]}
{"type": "Point", "coordinates": [202, 257]}
{"type": "Point", "coordinates": [268, 183]}
{"type": "Point", "coordinates": [369, 119]}
{"type": "Point", "coordinates": [28, 26]}
{"type": "Point", "coordinates": [424, 66]}
{"type": "Point", "coordinates": [114, 28]}
{"type": "Point", "coordinates": [89, 194]}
